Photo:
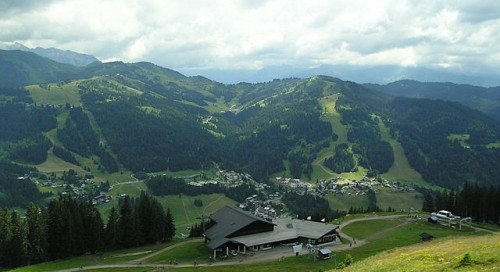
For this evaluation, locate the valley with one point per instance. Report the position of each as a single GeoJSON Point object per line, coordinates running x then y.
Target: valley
{"type": "Point", "coordinates": [319, 148]}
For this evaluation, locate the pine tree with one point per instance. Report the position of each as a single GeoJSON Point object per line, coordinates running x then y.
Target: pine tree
{"type": "Point", "coordinates": [169, 226]}
{"type": "Point", "coordinates": [5, 236]}
{"type": "Point", "coordinates": [428, 204]}
{"type": "Point", "coordinates": [129, 234]}
{"type": "Point", "coordinates": [93, 227]}
{"type": "Point", "coordinates": [18, 244]}
{"type": "Point", "coordinates": [111, 234]}
{"type": "Point", "coordinates": [37, 234]}
{"type": "Point", "coordinates": [144, 212]}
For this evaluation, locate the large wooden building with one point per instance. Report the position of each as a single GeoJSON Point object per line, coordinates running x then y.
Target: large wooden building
{"type": "Point", "coordinates": [241, 231]}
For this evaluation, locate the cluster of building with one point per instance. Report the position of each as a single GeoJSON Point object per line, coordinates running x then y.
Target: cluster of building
{"type": "Point", "coordinates": [266, 208]}
{"type": "Point", "coordinates": [359, 187]}
{"type": "Point", "coordinates": [297, 185]}
{"type": "Point", "coordinates": [230, 179]}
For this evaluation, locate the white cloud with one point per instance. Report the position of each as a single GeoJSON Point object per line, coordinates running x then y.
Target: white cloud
{"type": "Point", "coordinates": [246, 34]}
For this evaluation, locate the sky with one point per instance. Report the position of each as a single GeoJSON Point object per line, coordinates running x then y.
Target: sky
{"type": "Point", "coordinates": [458, 35]}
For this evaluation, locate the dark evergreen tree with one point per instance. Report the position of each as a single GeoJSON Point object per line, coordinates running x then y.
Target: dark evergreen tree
{"type": "Point", "coordinates": [428, 204]}
{"type": "Point", "coordinates": [5, 236]}
{"type": "Point", "coordinates": [129, 230]}
{"type": "Point", "coordinates": [59, 238]}
{"type": "Point", "coordinates": [372, 201]}
{"type": "Point", "coordinates": [37, 234]}
{"type": "Point", "coordinates": [112, 230]}
{"type": "Point", "coordinates": [93, 228]}
{"type": "Point", "coordinates": [17, 247]}
{"type": "Point", "coordinates": [169, 226]}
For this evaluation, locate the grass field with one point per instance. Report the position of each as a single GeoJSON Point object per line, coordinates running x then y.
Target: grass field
{"type": "Point", "coordinates": [399, 201]}
{"type": "Point", "coordinates": [185, 254]}
{"type": "Point", "coordinates": [402, 234]}
{"type": "Point", "coordinates": [112, 257]}
{"type": "Point", "coordinates": [344, 202]}
{"type": "Point", "coordinates": [55, 94]}
{"type": "Point", "coordinates": [438, 255]}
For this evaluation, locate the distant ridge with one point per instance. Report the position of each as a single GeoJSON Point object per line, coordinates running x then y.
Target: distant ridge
{"type": "Point", "coordinates": [483, 99]}
{"type": "Point", "coordinates": [383, 74]}
{"type": "Point", "coordinates": [19, 68]}
{"type": "Point", "coordinates": [58, 55]}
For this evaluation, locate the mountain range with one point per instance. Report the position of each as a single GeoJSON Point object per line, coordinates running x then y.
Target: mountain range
{"type": "Point", "coordinates": [382, 74]}
{"type": "Point", "coordinates": [143, 117]}
{"type": "Point", "coordinates": [58, 55]}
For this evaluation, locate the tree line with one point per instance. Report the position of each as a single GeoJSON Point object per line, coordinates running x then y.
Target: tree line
{"type": "Point", "coordinates": [22, 130]}
{"type": "Point", "coordinates": [14, 191]}
{"type": "Point", "coordinates": [309, 205]}
{"type": "Point", "coordinates": [67, 228]}
{"type": "Point", "coordinates": [479, 202]}
{"type": "Point", "coordinates": [78, 136]}
{"type": "Point", "coordinates": [342, 160]}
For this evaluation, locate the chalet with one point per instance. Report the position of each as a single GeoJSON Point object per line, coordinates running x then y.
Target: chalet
{"type": "Point", "coordinates": [241, 231]}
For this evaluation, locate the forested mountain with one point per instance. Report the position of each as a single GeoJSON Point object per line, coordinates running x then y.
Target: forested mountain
{"type": "Point", "coordinates": [142, 117]}
{"type": "Point", "coordinates": [19, 68]}
{"type": "Point", "coordinates": [483, 99]}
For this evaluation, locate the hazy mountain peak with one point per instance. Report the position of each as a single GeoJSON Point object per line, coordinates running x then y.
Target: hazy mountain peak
{"type": "Point", "coordinates": [58, 55]}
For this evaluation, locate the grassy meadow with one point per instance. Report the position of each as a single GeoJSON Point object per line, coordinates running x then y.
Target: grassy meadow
{"type": "Point", "coordinates": [447, 254]}
{"type": "Point", "coordinates": [55, 93]}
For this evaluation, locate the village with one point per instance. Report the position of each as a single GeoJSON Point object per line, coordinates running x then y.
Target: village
{"type": "Point", "coordinates": [72, 184]}
{"type": "Point", "coordinates": [264, 203]}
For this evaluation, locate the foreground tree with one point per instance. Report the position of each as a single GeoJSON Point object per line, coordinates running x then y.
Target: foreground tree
{"type": "Point", "coordinates": [37, 234]}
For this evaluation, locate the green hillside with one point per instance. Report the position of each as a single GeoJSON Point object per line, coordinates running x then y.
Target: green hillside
{"type": "Point", "coordinates": [447, 254]}
{"type": "Point", "coordinates": [109, 118]}
{"type": "Point", "coordinates": [484, 99]}
{"type": "Point", "coordinates": [19, 68]}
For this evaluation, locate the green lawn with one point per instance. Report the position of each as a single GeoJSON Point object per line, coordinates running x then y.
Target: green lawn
{"type": "Point", "coordinates": [119, 269]}
{"type": "Point", "coordinates": [364, 229]}
{"type": "Point", "coordinates": [55, 93]}
{"type": "Point", "coordinates": [443, 254]}
{"type": "Point", "coordinates": [112, 257]}
{"type": "Point", "coordinates": [403, 235]}
{"type": "Point", "coordinates": [185, 254]}
{"type": "Point", "coordinates": [399, 201]}
{"type": "Point", "coordinates": [344, 202]}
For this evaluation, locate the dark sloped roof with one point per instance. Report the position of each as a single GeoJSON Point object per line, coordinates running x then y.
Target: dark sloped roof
{"type": "Point", "coordinates": [228, 220]}
{"type": "Point", "coordinates": [287, 229]}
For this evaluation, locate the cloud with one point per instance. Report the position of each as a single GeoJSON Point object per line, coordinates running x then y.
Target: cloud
{"type": "Point", "coordinates": [246, 34]}
{"type": "Point", "coordinates": [12, 7]}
